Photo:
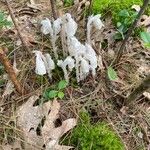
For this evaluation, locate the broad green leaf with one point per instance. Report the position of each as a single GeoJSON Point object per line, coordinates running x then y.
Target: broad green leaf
{"type": "Point", "coordinates": [145, 36]}
{"type": "Point", "coordinates": [52, 94]}
{"type": "Point", "coordinates": [61, 95]}
{"type": "Point", "coordinates": [112, 75]}
{"type": "Point", "coordinates": [62, 84]}
{"type": "Point", "coordinates": [124, 13]}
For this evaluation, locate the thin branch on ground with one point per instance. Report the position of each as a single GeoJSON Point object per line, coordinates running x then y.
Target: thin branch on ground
{"type": "Point", "coordinates": [139, 90]}
{"type": "Point", "coordinates": [53, 8]}
{"type": "Point", "coordinates": [131, 29]}
{"type": "Point", "coordinates": [11, 73]}
{"type": "Point", "coordinates": [17, 27]}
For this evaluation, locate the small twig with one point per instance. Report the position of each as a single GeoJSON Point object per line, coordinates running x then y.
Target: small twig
{"type": "Point", "coordinates": [9, 69]}
{"type": "Point", "coordinates": [54, 10]}
{"type": "Point", "coordinates": [132, 27]}
{"type": "Point", "coordinates": [17, 27]}
{"type": "Point", "coordinates": [139, 90]}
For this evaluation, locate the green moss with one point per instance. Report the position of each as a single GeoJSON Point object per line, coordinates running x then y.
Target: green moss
{"type": "Point", "coordinates": [114, 6]}
{"type": "Point", "coordinates": [93, 137]}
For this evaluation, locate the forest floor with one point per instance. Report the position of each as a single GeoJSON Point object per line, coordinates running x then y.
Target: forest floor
{"type": "Point", "coordinates": [100, 97]}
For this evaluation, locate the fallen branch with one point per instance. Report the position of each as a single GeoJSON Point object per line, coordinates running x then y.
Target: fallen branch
{"type": "Point", "coordinates": [139, 90]}
{"type": "Point", "coordinates": [17, 27]}
{"type": "Point", "coordinates": [54, 10]}
{"type": "Point", "coordinates": [11, 73]}
{"type": "Point", "coordinates": [132, 27]}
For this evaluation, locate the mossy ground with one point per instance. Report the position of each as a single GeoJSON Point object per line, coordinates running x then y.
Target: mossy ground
{"type": "Point", "coordinates": [114, 6]}
{"type": "Point", "coordinates": [99, 136]}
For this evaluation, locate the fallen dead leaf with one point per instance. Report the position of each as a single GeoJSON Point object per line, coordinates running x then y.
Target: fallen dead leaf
{"type": "Point", "coordinates": [29, 118]}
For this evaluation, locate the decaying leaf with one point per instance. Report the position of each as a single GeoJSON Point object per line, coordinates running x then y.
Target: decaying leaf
{"type": "Point", "coordinates": [15, 146]}
{"type": "Point", "coordinates": [30, 117]}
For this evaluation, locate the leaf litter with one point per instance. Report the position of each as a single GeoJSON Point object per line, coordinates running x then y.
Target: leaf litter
{"type": "Point", "coordinates": [29, 117]}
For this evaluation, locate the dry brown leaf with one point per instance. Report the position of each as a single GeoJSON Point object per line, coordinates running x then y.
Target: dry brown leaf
{"type": "Point", "coordinates": [29, 118]}
{"type": "Point", "coordinates": [145, 21]}
{"type": "Point", "coordinates": [15, 146]}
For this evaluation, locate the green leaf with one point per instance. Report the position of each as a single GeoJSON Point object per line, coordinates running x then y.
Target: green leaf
{"type": "Point", "coordinates": [118, 36]}
{"type": "Point", "coordinates": [112, 75]}
{"type": "Point", "coordinates": [61, 95]}
{"type": "Point", "coordinates": [147, 45]}
{"type": "Point", "coordinates": [124, 13]}
{"type": "Point", "coordinates": [2, 16]}
{"type": "Point", "coordinates": [145, 36]}
{"type": "Point", "coordinates": [62, 84]}
{"type": "Point", "coordinates": [52, 94]}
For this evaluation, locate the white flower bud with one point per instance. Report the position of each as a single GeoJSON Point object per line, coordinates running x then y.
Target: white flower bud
{"type": "Point", "coordinates": [46, 27]}
{"type": "Point", "coordinates": [40, 68]}
{"type": "Point", "coordinates": [70, 25]}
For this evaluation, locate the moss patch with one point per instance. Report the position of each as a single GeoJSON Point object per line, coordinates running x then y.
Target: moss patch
{"type": "Point", "coordinates": [99, 136]}
{"type": "Point", "coordinates": [114, 6]}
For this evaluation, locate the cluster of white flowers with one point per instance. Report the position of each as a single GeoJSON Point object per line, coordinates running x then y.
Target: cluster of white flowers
{"type": "Point", "coordinates": [79, 56]}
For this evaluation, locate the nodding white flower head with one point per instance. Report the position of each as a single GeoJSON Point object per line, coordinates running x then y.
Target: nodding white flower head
{"type": "Point", "coordinates": [68, 62]}
{"type": "Point", "coordinates": [49, 64]}
{"type": "Point", "coordinates": [92, 58]}
{"type": "Point", "coordinates": [75, 47]}
{"type": "Point", "coordinates": [46, 27]}
{"type": "Point", "coordinates": [95, 21]}
{"type": "Point", "coordinates": [57, 26]}
{"type": "Point", "coordinates": [40, 68]}
{"type": "Point", "coordinates": [70, 25]}
{"type": "Point", "coordinates": [84, 68]}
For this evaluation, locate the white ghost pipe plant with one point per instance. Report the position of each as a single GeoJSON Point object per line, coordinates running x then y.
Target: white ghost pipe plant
{"type": "Point", "coordinates": [49, 64]}
{"type": "Point", "coordinates": [84, 68]}
{"type": "Point", "coordinates": [68, 62]}
{"type": "Point", "coordinates": [90, 55]}
{"type": "Point", "coordinates": [76, 49]}
{"type": "Point", "coordinates": [40, 68]}
{"type": "Point", "coordinates": [93, 21]}
{"type": "Point", "coordinates": [70, 25]}
{"type": "Point", "coordinates": [46, 26]}
{"type": "Point", "coordinates": [44, 64]}
{"type": "Point", "coordinates": [53, 29]}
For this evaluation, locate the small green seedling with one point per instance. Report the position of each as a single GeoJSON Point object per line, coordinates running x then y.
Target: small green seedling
{"type": "Point", "coordinates": [58, 92]}
{"type": "Point", "coordinates": [68, 2]}
{"type": "Point", "coordinates": [112, 75]}
{"type": "Point", "coordinates": [125, 20]}
{"type": "Point", "coordinates": [3, 21]}
{"type": "Point", "coordinates": [145, 36]}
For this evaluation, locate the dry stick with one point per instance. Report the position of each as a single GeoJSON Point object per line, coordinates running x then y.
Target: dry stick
{"type": "Point", "coordinates": [53, 7]}
{"type": "Point", "coordinates": [133, 26]}
{"type": "Point", "coordinates": [139, 90]}
{"type": "Point", "coordinates": [9, 69]}
{"type": "Point", "coordinates": [17, 27]}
